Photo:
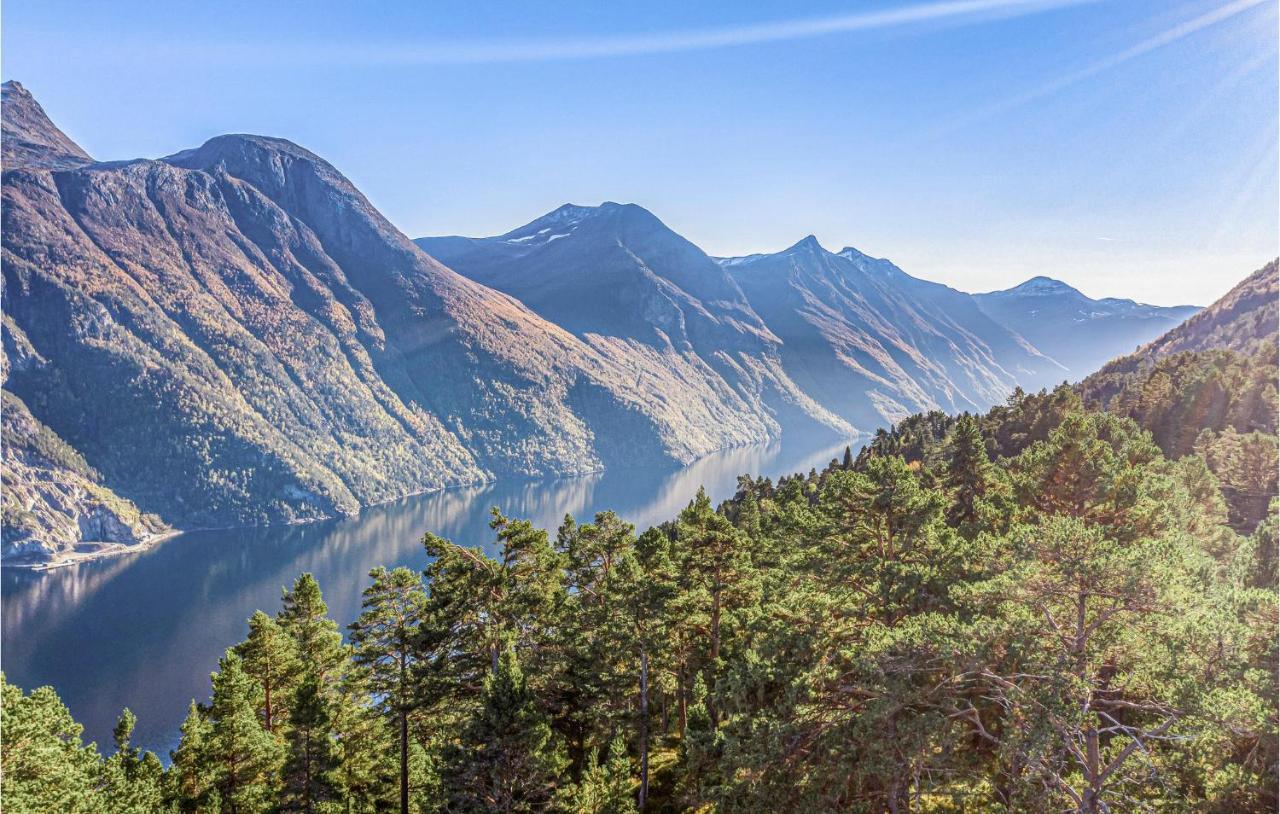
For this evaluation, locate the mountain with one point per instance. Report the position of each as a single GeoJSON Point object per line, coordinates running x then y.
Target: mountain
{"type": "Point", "coordinates": [1210, 386]}
{"type": "Point", "coordinates": [619, 279]}
{"type": "Point", "coordinates": [54, 503]}
{"type": "Point", "coordinates": [30, 139]}
{"type": "Point", "coordinates": [233, 335]}
{"type": "Point", "coordinates": [1081, 333]}
{"type": "Point", "coordinates": [1244, 320]}
{"type": "Point", "coordinates": [873, 344]}
{"type": "Point", "coordinates": [611, 270]}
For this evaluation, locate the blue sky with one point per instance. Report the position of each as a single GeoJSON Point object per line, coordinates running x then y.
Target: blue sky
{"type": "Point", "coordinates": [1127, 147]}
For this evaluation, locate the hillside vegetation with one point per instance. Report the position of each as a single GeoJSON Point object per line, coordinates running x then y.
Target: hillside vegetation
{"type": "Point", "coordinates": [1034, 610]}
{"type": "Point", "coordinates": [1209, 386]}
{"type": "Point", "coordinates": [234, 335]}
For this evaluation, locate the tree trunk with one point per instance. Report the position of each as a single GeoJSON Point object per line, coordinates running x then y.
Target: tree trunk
{"type": "Point", "coordinates": [266, 686]}
{"type": "Point", "coordinates": [682, 701]}
{"type": "Point", "coordinates": [644, 727]}
{"type": "Point", "coordinates": [715, 653]}
{"type": "Point", "coordinates": [1092, 790]}
{"type": "Point", "coordinates": [404, 761]}
{"type": "Point", "coordinates": [404, 732]}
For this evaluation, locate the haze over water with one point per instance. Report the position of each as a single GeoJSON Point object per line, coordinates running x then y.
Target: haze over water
{"type": "Point", "coordinates": [144, 631]}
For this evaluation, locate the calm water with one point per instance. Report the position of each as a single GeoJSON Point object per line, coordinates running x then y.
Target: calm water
{"type": "Point", "coordinates": [143, 631]}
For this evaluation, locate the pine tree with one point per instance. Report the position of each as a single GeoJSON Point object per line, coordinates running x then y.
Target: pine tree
{"type": "Point", "coordinates": [189, 784]}
{"type": "Point", "coordinates": [718, 567]}
{"type": "Point", "coordinates": [133, 780]}
{"type": "Point", "coordinates": [385, 638]}
{"type": "Point", "coordinates": [310, 782]}
{"type": "Point", "coordinates": [968, 471]}
{"type": "Point", "coordinates": [590, 693]}
{"type": "Point", "coordinates": [367, 772]}
{"type": "Point", "coordinates": [605, 787]}
{"type": "Point", "coordinates": [242, 759]}
{"type": "Point", "coordinates": [271, 658]}
{"type": "Point", "coordinates": [648, 582]}
{"type": "Point", "coordinates": [507, 758]}
{"type": "Point", "coordinates": [480, 606]}
{"type": "Point", "coordinates": [305, 617]}
{"type": "Point", "coordinates": [43, 764]}
{"type": "Point", "coordinates": [698, 750]}
{"type": "Point", "coordinates": [748, 520]}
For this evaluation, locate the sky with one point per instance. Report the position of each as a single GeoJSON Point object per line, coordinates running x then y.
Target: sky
{"type": "Point", "coordinates": [1127, 147]}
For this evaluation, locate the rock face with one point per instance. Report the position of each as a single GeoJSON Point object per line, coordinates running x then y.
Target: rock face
{"type": "Point", "coordinates": [53, 502]}
{"type": "Point", "coordinates": [1081, 333]}
{"type": "Point", "coordinates": [638, 293]}
{"type": "Point", "coordinates": [30, 139]}
{"type": "Point", "coordinates": [873, 344]}
{"type": "Point", "coordinates": [235, 335]}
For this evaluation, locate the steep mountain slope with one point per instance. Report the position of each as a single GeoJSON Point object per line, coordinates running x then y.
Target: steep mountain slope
{"type": "Point", "coordinates": [235, 335]}
{"type": "Point", "coordinates": [30, 139]}
{"type": "Point", "coordinates": [1243, 321]}
{"type": "Point", "coordinates": [1210, 386]}
{"type": "Point", "coordinates": [621, 280]}
{"type": "Point", "coordinates": [613, 270]}
{"type": "Point", "coordinates": [1219, 365]}
{"type": "Point", "coordinates": [1081, 333]}
{"type": "Point", "coordinates": [53, 502]}
{"type": "Point", "coordinates": [874, 344]}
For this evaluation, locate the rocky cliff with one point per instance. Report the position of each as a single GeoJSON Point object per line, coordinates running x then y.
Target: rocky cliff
{"type": "Point", "coordinates": [233, 335]}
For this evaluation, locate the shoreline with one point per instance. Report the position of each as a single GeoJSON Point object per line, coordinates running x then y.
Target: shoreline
{"type": "Point", "coordinates": [107, 550]}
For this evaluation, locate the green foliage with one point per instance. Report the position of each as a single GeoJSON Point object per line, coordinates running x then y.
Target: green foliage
{"type": "Point", "coordinates": [506, 757]}
{"type": "Point", "coordinates": [1221, 404]}
{"type": "Point", "coordinates": [45, 765]}
{"type": "Point", "coordinates": [304, 617]}
{"type": "Point", "coordinates": [270, 656]}
{"type": "Point", "coordinates": [1032, 610]}
{"type": "Point", "coordinates": [384, 638]}
{"type": "Point", "coordinates": [605, 788]}
{"type": "Point", "coordinates": [310, 781]}
{"type": "Point", "coordinates": [241, 759]}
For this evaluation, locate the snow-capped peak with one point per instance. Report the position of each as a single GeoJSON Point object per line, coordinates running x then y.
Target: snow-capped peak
{"type": "Point", "coordinates": [1043, 285]}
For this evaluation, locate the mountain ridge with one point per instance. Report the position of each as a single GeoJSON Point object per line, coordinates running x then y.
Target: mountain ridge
{"type": "Point", "coordinates": [32, 139]}
{"type": "Point", "coordinates": [1080, 332]}
{"type": "Point", "coordinates": [878, 341]}
{"type": "Point", "coordinates": [233, 334]}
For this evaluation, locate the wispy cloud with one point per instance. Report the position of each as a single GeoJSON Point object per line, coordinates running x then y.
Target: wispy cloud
{"type": "Point", "coordinates": [478, 52]}
{"type": "Point", "coordinates": [709, 38]}
{"type": "Point", "coordinates": [1167, 37]}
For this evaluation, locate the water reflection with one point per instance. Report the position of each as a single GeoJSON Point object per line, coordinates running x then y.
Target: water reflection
{"type": "Point", "coordinates": [144, 630]}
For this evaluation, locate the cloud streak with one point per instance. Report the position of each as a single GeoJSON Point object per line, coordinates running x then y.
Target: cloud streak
{"type": "Point", "coordinates": [284, 52]}
{"type": "Point", "coordinates": [700, 39]}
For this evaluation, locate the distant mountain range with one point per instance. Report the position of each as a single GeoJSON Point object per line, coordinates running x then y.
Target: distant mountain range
{"type": "Point", "coordinates": [233, 334]}
{"type": "Point", "coordinates": [861, 338]}
{"type": "Point", "coordinates": [876, 344]}
{"type": "Point", "coordinates": [1081, 333]}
